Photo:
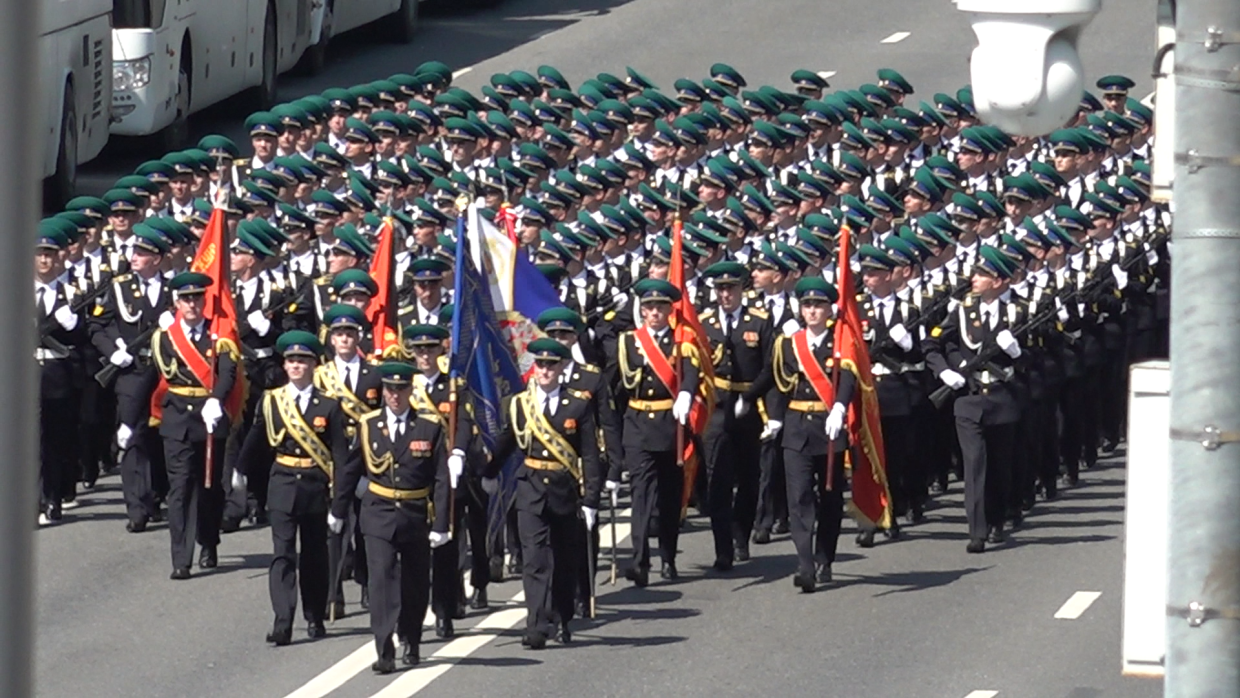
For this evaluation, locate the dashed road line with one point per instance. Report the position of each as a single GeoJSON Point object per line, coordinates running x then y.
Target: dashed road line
{"type": "Point", "coordinates": [458, 73]}
{"type": "Point", "coordinates": [896, 38]}
{"type": "Point", "coordinates": [1077, 604]}
{"type": "Point", "coordinates": [468, 641]}
{"type": "Point", "coordinates": [826, 74]}
{"type": "Point", "coordinates": [982, 694]}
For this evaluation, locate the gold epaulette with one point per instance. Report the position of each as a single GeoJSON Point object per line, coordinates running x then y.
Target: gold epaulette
{"type": "Point", "coordinates": [706, 313]}
{"type": "Point", "coordinates": [590, 368]}
{"type": "Point", "coordinates": [761, 313]}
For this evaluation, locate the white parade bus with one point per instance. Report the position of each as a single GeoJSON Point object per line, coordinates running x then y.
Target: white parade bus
{"type": "Point", "coordinates": [176, 57]}
{"type": "Point", "coordinates": [335, 17]}
{"type": "Point", "coordinates": [75, 50]}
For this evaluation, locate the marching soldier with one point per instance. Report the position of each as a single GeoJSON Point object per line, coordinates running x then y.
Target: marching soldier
{"type": "Point", "coordinates": [301, 432]}
{"type": "Point", "coordinates": [403, 455]}
{"type": "Point", "coordinates": [558, 485]}
{"type": "Point", "coordinates": [432, 396]}
{"type": "Point", "coordinates": [190, 357]}
{"type": "Point", "coordinates": [812, 408]}
{"type": "Point", "coordinates": [60, 330]}
{"type": "Point", "coordinates": [741, 341]}
{"type": "Point", "coordinates": [135, 305]}
{"type": "Point", "coordinates": [988, 412]}
{"type": "Point", "coordinates": [659, 397]}
{"type": "Point", "coordinates": [353, 381]}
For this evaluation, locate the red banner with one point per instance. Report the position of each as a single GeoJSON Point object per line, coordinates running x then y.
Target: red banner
{"type": "Point", "coordinates": [688, 331]}
{"type": "Point", "coordinates": [871, 499]}
{"type": "Point", "coordinates": [219, 316]}
{"type": "Point", "coordinates": [382, 309]}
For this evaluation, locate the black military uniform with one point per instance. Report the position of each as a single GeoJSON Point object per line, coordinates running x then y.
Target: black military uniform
{"type": "Point", "coordinates": [60, 331]}
{"type": "Point", "coordinates": [561, 474]}
{"type": "Point", "coordinates": [195, 505]}
{"type": "Point", "coordinates": [805, 410]}
{"type": "Point", "coordinates": [741, 341]}
{"type": "Point", "coordinates": [987, 416]}
{"type": "Point", "coordinates": [650, 435]}
{"type": "Point", "coordinates": [298, 437]}
{"type": "Point", "coordinates": [357, 386]}
{"type": "Point", "coordinates": [127, 313]}
{"type": "Point", "coordinates": [405, 461]}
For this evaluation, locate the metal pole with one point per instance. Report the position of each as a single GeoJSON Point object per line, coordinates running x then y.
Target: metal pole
{"type": "Point", "coordinates": [1203, 555]}
{"type": "Point", "coordinates": [19, 199]}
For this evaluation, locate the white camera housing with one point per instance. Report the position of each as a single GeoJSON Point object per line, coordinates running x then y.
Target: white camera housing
{"type": "Point", "coordinates": [1027, 75]}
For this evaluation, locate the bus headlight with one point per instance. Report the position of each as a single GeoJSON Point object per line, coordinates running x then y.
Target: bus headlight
{"type": "Point", "coordinates": [131, 75]}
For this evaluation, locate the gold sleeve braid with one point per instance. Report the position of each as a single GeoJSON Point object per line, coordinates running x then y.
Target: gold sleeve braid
{"type": "Point", "coordinates": [631, 377]}
{"type": "Point", "coordinates": [785, 382]}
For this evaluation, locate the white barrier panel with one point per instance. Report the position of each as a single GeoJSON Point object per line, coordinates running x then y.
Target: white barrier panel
{"type": "Point", "coordinates": [1145, 519]}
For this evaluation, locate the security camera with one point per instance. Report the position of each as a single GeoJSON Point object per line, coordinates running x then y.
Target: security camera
{"type": "Point", "coordinates": [1027, 76]}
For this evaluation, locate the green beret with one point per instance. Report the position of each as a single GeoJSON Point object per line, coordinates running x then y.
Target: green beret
{"type": "Point", "coordinates": [343, 315]}
{"type": "Point", "coordinates": [189, 283]}
{"type": "Point", "coordinates": [816, 288]}
{"type": "Point", "coordinates": [90, 205]}
{"type": "Point", "coordinates": [299, 343]}
{"type": "Point", "coordinates": [396, 373]}
{"type": "Point", "coordinates": [560, 319]}
{"type": "Point", "coordinates": [891, 80]}
{"type": "Point", "coordinates": [546, 349]}
{"type": "Point", "coordinates": [656, 291]}
{"type": "Point", "coordinates": [352, 281]}
{"type": "Point", "coordinates": [424, 335]}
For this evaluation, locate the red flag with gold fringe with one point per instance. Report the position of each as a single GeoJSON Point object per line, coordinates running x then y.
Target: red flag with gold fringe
{"type": "Point", "coordinates": [382, 309]}
{"type": "Point", "coordinates": [871, 499]}
{"type": "Point", "coordinates": [220, 315]}
{"type": "Point", "coordinates": [693, 344]}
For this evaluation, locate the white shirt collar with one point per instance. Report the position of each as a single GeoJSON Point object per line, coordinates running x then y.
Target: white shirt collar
{"type": "Point", "coordinates": [190, 329]}
{"type": "Point", "coordinates": [301, 396]}
{"type": "Point", "coordinates": [393, 418]}
{"type": "Point", "coordinates": [816, 341]}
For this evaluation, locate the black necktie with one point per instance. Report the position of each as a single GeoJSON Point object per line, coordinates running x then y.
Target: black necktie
{"type": "Point", "coordinates": [193, 335]}
{"type": "Point", "coordinates": [38, 297]}
{"type": "Point", "coordinates": [398, 428]}
{"type": "Point", "coordinates": [727, 325]}
{"type": "Point", "coordinates": [348, 377]}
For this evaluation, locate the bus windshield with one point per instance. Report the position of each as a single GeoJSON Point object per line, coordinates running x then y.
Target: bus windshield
{"type": "Point", "coordinates": [138, 14]}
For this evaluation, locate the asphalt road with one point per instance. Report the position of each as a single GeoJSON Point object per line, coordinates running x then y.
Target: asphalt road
{"type": "Point", "coordinates": [916, 617]}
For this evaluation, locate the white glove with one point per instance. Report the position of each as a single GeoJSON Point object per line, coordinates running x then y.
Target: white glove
{"type": "Point", "coordinates": [951, 379]}
{"type": "Point", "coordinates": [1151, 256]}
{"type": "Point", "coordinates": [211, 414]}
{"type": "Point", "coordinates": [899, 335]}
{"type": "Point", "coordinates": [334, 524]}
{"type": "Point", "coordinates": [590, 514]}
{"type": "Point", "coordinates": [771, 430]}
{"type": "Point", "coordinates": [121, 358]}
{"type": "Point", "coordinates": [611, 486]}
{"type": "Point", "coordinates": [165, 320]}
{"type": "Point", "coordinates": [741, 408]}
{"type": "Point", "coordinates": [456, 466]}
{"type": "Point", "coordinates": [1007, 342]}
{"type": "Point", "coordinates": [835, 420]}
{"type": "Point", "coordinates": [1121, 277]}
{"type": "Point", "coordinates": [259, 322]}
{"type": "Point", "coordinates": [238, 480]}
{"type": "Point", "coordinates": [680, 409]}
{"type": "Point", "coordinates": [123, 435]}
{"type": "Point", "coordinates": [66, 317]}
{"type": "Point", "coordinates": [1063, 313]}
{"type": "Point", "coordinates": [437, 539]}
{"type": "Point", "coordinates": [790, 327]}
{"type": "Point", "coordinates": [490, 485]}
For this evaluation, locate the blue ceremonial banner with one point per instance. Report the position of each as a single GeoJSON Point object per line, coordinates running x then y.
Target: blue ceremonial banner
{"type": "Point", "coordinates": [481, 357]}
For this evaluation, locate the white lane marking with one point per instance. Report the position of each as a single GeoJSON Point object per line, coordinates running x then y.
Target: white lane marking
{"type": "Point", "coordinates": [826, 74]}
{"type": "Point", "coordinates": [1077, 604]}
{"type": "Point", "coordinates": [458, 73]}
{"type": "Point", "coordinates": [361, 658]}
{"type": "Point", "coordinates": [896, 38]}
{"type": "Point", "coordinates": [982, 694]}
